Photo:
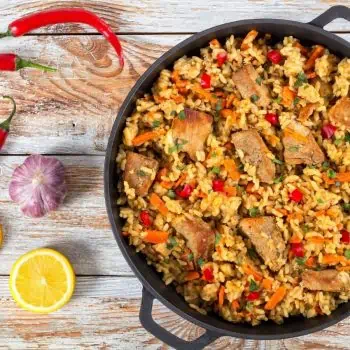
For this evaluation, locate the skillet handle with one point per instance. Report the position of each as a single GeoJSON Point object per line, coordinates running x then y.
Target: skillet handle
{"type": "Point", "coordinates": [162, 334]}
{"type": "Point", "coordinates": [330, 15]}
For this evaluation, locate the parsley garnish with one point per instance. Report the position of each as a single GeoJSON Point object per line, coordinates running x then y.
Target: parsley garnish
{"type": "Point", "coordinates": [305, 228]}
{"type": "Point", "coordinates": [253, 212]}
{"type": "Point", "coordinates": [331, 174]}
{"type": "Point", "coordinates": [253, 286]}
{"type": "Point", "coordinates": [337, 142]}
{"type": "Point", "coordinates": [200, 262]}
{"type": "Point", "coordinates": [325, 165]}
{"type": "Point", "coordinates": [347, 137]}
{"type": "Point", "coordinates": [190, 257]}
{"type": "Point", "coordinates": [301, 79]}
{"type": "Point", "coordinates": [215, 170]}
{"type": "Point", "coordinates": [217, 238]}
{"type": "Point", "coordinates": [259, 80]}
{"type": "Point", "coordinates": [347, 254]}
{"type": "Point", "coordinates": [296, 101]}
{"type": "Point", "coordinates": [252, 253]}
{"type": "Point", "coordinates": [277, 161]}
{"type": "Point", "coordinates": [179, 143]}
{"type": "Point", "coordinates": [320, 201]}
{"type": "Point", "coordinates": [300, 261]}
{"type": "Point", "coordinates": [171, 243]}
{"type": "Point", "coordinates": [171, 194]}
{"type": "Point", "coordinates": [182, 115]}
{"type": "Point", "coordinates": [278, 180]}
{"type": "Point", "coordinates": [346, 207]}
{"type": "Point", "coordinates": [254, 98]}
{"type": "Point", "coordinates": [155, 123]}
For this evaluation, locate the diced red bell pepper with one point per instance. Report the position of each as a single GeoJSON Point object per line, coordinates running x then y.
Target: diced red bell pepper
{"type": "Point", "coordinates": [184, 191]}
{"type": "Point", "coordinates": [296, 196]}
{"type": "Point", "coordinates": [218, 185]}
{"type": "Point", "coordinates": [205, 81]}
{"type": "Point", "coordinates": [208, 274]}
{"type": "Point", "coordinates": [253, 296]}
{"type": "Point", "coordinates": [328, 131]}
{"type": "Point", "coordinates": [274, 56]}
{"type": "Point", "coordinates": [145, 218]}
{"type": "Point", "coordinates": [345, 236]}
{"type": "Point", "coordinates": [272, 118]}
{"type": "Point", "coordinates": [221, 58]}
{"type": "Point", "coordinates": [297, 249]}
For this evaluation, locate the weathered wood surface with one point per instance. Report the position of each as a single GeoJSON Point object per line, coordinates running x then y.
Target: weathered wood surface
{"type": "Point", "coordinates": [182, 16]}
{"type": "Point", "coordinates": [72, 111]}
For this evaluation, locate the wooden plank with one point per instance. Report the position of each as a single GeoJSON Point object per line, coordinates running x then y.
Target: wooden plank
{"type": "Point", "coordinates": [72, 111]}
{"type": "Point", "coordinates": [80, 228]}
{"type": "Point", "coordinates": [103, 314]}
{"type": "Point", "coordinates": [175, 16]}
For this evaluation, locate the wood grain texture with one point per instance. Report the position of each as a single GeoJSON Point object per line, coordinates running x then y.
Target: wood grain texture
{"type": "Point", "coordinates": [72, 111]}
{"type": "Point", "coordinates": [103, 314]}
{"type": "Point", "coordinates": [182, 16]}
{"type": "Point", "coordinates": [80, 228]}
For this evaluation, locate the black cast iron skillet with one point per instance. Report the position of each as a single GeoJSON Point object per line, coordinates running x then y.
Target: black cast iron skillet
{"type": "Point", "coordinates": [153, 287]}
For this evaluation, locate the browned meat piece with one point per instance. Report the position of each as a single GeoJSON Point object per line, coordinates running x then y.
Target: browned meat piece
{"type": "Point", "coordinates": [326, 280]}
{"type": "Point", "coordinates": [245, 81]}
{"type": "Point", "coordinates": [140, 172]}
{"type": "Point", "coordinates": [193, 131]}
{"type": "Point", "coordinates": [266, 238]}
{"type": "Point", "coordinates": [340, 112]}
{"type": "Point", "coordinates": [199, 235]}
{"type": "Point", "coordinates": [255, 153]}
{"type": "Point", "coordinates": [300, 147]}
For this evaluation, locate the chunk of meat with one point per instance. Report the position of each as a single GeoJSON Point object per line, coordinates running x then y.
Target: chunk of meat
{"type": "Point", "coordinates": [300, 147]}
{"type": "Point", "coordinates": [245, 81]}
{"type": "Point", "coordinates": [340, 112]}
{"type": "Point", "coordinates": [193, 129]}
{"type": "Point", "coordinates": [140, 172]}
{"type": "Point", "coordinates": [256, 153]}
{"type": "Point", "coordinates": [326, 280]}
{"type": "Point", "coordinates": [266, 238]}
{"type": "Point", "coordinates": [199, 236]}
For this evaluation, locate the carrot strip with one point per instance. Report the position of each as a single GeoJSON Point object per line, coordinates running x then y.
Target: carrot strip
{"type": "Point", "coordinates": [231, 169]}
{"type": "Point", "coordinates": [158, 203]}
{"type": "Point", "coordinates": [273, 140]}
{"type": "Point", "coordinates": [284, 212]}
{"type": "Point", "coordinates": [147, 136]}
{"type": "Point", "coordinates": [155, 237]}
{"type": "Point", "coordinates": [249, 187]}
{"type": "Point", "coordinates": [161, 172]}
{"type": "Point", "coordinates": [318, 240]}
{"type": "Point", "coordinates": [192, 275]}
{"type": "Point", "coordinates": [331, 259]}
{"type": "Point", "coordinates": [229, 100]}
{"type": "Point", "coordinates": [178, 98]}
{"type": "Point", "coordinates": [295, 216]}
{"type": "Point", "coordinates": [327, 180]}
{"type": "Point", "coordinates": [221, 295]}
{"type": "Point", "coordinates": [276, 298]}
{"type": "Point", "coordinates": [311, 262]}
{"type": "Point", "coordinates": [204, 94]}
{"type": "Point", "coordinates": [303, 50]}
{"type": "Point", "coordinates": [320, 213]}
{"type": "Point", "coordinates": [166, 184]}
{"type": "Point", "coordinates": [288, 96]}
{"type": "Point", "coordinates": [295, 135]}
{"type": "Point", "coordinates": [215, 43]}
{"type": "Point", "coordinates": [343, 177]}
{"type": "Point", "coordinates": [235, 305]}
{"type": "Point", "coordinates": [249, 270]}
{"type": "Point", "coordinates": [267, 283]}
{"type": "Point", "coordinates": [229, 113]}
{"type": "Point", "coordinates": [295, 239]}
{"type": "Point", "coordinates": [250, 37]}
{"type": "Point", "coordinates": [230, 191]}
{"type": "Point", "coordinates": [180, 180]}
{"type": "Point", "coordinates": [332, 212]}
{"type": "Point", "coordinates": [317, 52]}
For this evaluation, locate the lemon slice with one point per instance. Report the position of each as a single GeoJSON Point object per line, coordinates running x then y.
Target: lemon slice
{"type": "Point", "coordinates": [42, 281]}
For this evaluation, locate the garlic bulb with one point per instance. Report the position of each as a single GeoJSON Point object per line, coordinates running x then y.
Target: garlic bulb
{"type": "Point", "coordinates": [38, 185]}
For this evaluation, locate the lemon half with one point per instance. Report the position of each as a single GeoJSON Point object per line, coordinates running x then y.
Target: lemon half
{"type": "Point", "coordinates": [42, 281]}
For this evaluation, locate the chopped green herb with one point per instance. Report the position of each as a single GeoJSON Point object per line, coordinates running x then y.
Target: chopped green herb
{"type": "Point", "coordinates": [346, 207]}
{"type": "Point", "coordinates": [320, 201]}
{"type": "Point", "coordinates": [172, 149]}
{"type": "Point", "coordinates": [253, 286]}
{"type": "Point", "coordinates": [190, 257]}
{"type": "Point", "coordinates": [259, 80]}
{"type": "Point", "coordinates": [171, 243]}
{"type": "Point", "coordinates": [300, 261]}
{"type": "Point", "coordinates": [277, 100]}
{"type": "Point", "coordinates": [240, 167]}
{"type": "Point", "coordinates": [347, 253]}
{"type": "Point", "coordinates": [347, 137]}
{"type": "Point", "coordinates": [179, 143]}
{"type": "Point", "coordinates": [253, 212]}
{"type": "Point", "coordinates": [278, 180]}
{"type": "Point", "coordinates": [301, 79]}
{"type": "Point", "coordinates": [337, 142]}
{"type": "Point", "coordinates": [200, 262]}
{"type": "Point", "coordinates": [252, 253]}
{"type": "Point", "coordinates": [171, 194]}
{"type": "Point", "coordinates": [155, 123]}
{"type": "Point", "coordinates": [254, 98]}
{"type": "Point", "coordinates": [173, 113]}
{"type": "Point", "coordinates": [182, 115]}
{"type": "Point", "coordinates": [277, 161]}
{"type": "Point", "coordinates": [296, 101]}
{"type": "Point", "coordinates": [305, 228]}
{"type": "Point", "coordinates": [215, 170]}
{"type": "Point", "coordinates": [141, 173]}
{"type": "Point", "coordinates": [218, 106]}
{"type": "Point", "coordinates": [331, 174]}
{"type": "Point", "coordinates": [325, 165]}
{"type": "Point", "coordinates": [217, 238]}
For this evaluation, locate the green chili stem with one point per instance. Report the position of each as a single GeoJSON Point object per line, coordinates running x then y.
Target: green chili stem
{"type": "Point", "coordinates": [6, 124]}
{"type": "Point", "coordinates": [5, 34]}
{"type": "Point", "coordinates": [22, 63]}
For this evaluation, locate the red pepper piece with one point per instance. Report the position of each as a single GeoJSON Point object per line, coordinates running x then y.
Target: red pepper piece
{"type": "Point", "coordinates": [208, 274]}
{"type": "Point", "coordinates": [205, 81]}
{"type": "Point", "coordinates": [184, 191]}
{"type": "Point", "coordinates": [12, 62]}
{"type": "Point", "coordinates": [328, 131]}
{"type": "Point", "coordinates": [274, 56]}
{"type": "Point", "coordinates": [146, 218]}
{"type": "Point", "coordinates": [218, 185]}
{"type": "Point", "coordinates": [41, 19]}
{"type": "Point", "coordinates": [345, 237]}
{"type": "Point", "coordinates": [296, 196]}
{"type": "Point", "coordinates": [272, 118]}
{"type": "Point", "coordinates": [221, 58]}
{"type": "Point", "coordinates": [5, 125]}
{"type": "Point", "coordinates": [253, 296]}
{"type": "Point", "coordinates": [297, 249]}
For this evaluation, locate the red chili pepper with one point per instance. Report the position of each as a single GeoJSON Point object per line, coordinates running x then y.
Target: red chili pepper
{"type": "Point", "coordinates": [37, 20]}
{"type": "Point", "coordinates": [11, 62]}
{"type": "Point", "coordinates": [345, 236]}
{"type": "Point", "coordinates": [205, 81]}
{"type": "Point", "coordinates": [208, 274]}
{"type": "Point", "coordinates": [218, 185]}
{"type": "Point", "coordinates": [296, 196]}
{"type": "Point", "coordinates": [272, 118]}
{"type": "Point", "coordinates": [145, 218]}
{"type": "Point", "coordinates": [5, 125]}
{"type": "Point", "coordinates": [253, 296]}
{"type": "Point", "coordinates": [184, 191]}
{"type": "Point", "coordinates": [221, 58]}
{"type": "Point", "coordinates": [297, 249]}
{"type": "Point", "coordinates": [328, 131]}
{"type": "Point", "coordinates": [274, 56]}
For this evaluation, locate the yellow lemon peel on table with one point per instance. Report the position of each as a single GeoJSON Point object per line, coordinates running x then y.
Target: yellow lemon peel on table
{"type": "Point", "coordinates": [42, 281]}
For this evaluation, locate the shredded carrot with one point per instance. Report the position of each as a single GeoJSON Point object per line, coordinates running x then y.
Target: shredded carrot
{"type": "Point", "coordinates": [158, 99]}
{"type": "Point", "coordinates": [303, 50]}
{"type": "Point", "coordinates": [284, 212]}
{"type": "Point", "coordinates": [180, 180]}
{"type": "Point", "coordinates": [311, 262]}
{"type": "Point", "coordinates": [204, 94]}
{"type": "Point", "coordinates": [331, 259]}
{"type": "Point", "coordinates": [295, 239]}
{"type": "Point", "coordinates": [166, 184]}
{"type": "Point", "coordinates": [155, 237]}
{"type": "Point", "coordinates": [320, 213]}
{"type": "Point", "coordinates": [235, 305]}
{"type": "Point", "coordinates": [226, 113]}
{"type": "Point", "coordinates": [273, 140]}
{"type": "Point", "coordinates": [318, 240]}
{"type": "Point", "coordinates": [332, 212]}
{"type": "Point", "coordinates": [250, 37]}
{"type": "Point", "coordinates": [178, 98]}
{"type": "Point", "coordinates": [249, 187]}
{"type": "Point", "coordinates": [311, 75]}
{"type": "Point", "coordinates": [249, 270]}
{"type": "Point", "coordinates": [317, 52]}
{"type": "Point", "coordinates": [229, 100]}
{"type": "Point", "coordinates": [161, 172]}
{"type": "Point", "coordinates": [175, 76]}
{"type": "Point", "coordinates": [230, 191]}
{"type": "Point", "coordinates": [214, 43]}
{"type": "Point", "coordinates": [343, 177]}
{"type": "Point", "coordinates": [158, 203]}
{"type": "Point", "coordinates": [276, 298]}
{"type": "Point", "coordinates": [295, 216]}
{"type": "Point", "coordinates": [288, 96]}
{"type": "Point", "coordinates": [231, 169]}
{"type": "Point", "coordinates": [327, 180]}
{"type": "Point", "coordinates": [295, 135]}
{"type": "Point", "coordinates": [267, 283]}
{"type": "Point", "coordinates": [147, 136]}
{"type": "Point", "coordinates": [221, 295]}
{"type": "Point", "coordinates": [306, 111]}
{"type": "Point", "coordinates": [201, 195]}
{"type": "Point", "coordinates": [192, 275]}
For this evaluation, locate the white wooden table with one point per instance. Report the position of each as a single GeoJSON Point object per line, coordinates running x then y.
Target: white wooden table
{"type": "Point", "coordinates": [70, 114]}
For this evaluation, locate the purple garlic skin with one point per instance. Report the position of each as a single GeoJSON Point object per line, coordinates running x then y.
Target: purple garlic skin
{"type": "Point", "coordinates": [38, 185]}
